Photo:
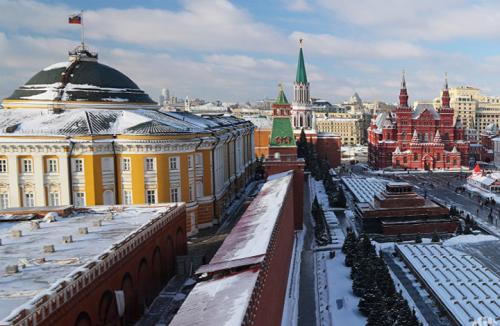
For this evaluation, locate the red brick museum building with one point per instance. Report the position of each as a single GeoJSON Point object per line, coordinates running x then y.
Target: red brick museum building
{"type": "Point", "coordinates": [417, 138]}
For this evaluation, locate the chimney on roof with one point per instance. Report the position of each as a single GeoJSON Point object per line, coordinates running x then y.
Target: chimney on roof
{"type": "Point", "coordinates": [11, 269]}
{"type": "Point", "coordinates": [49, 249]}
{"type": "Point", "coordinates": [16, 233]}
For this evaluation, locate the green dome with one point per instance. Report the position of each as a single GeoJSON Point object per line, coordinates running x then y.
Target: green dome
{"type": "Point", "coordinates": [81, 79]}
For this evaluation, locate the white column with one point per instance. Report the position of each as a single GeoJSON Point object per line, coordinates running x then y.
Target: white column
{"type": "Point", "coordinates": [14, 191]}
{"type": "Point", "coordinates": [39, 173]}
{"type": "Point", "coordinates": [65, 195]}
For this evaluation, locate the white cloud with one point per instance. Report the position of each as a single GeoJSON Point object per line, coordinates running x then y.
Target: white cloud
{"type": "Point", "coordinates": [217, 50]}
{"type": "Point", "coordinates": [330, 45]}
{"type": "Point", "coordinates": [299, 5]}
{"type": "Point", "coordinates": [422, 19]}
{"type": "Point", "coordinates": [203, 25]}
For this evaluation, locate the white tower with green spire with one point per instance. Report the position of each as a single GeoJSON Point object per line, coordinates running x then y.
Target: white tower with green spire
{"type": "Point", "coordinates": [301, 106]}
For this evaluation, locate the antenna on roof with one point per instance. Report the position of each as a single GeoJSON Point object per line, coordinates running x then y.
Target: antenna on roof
{"type": "Point", "coordinates": [301, 40]}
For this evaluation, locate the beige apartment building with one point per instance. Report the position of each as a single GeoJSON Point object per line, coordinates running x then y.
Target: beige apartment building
{"type": "Point", "coordinates": [475, 110]}
{"type": "Point", "coordinates": [347, 125]}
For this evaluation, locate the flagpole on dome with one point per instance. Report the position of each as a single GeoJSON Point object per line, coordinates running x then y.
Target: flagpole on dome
{"type": "Point", "coordinates": [82, 31]}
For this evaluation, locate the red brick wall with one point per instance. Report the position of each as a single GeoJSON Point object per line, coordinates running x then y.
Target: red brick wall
{"type": "Point", "coordinates": [329, 147]}
{"type": "Point", "coordinates": [269, 296]}
{"type": "Point", "coordinates": [422, 228]}
{"type": "Point", "coordinates": [141, 274]}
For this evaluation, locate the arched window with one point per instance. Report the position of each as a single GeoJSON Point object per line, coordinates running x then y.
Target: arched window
{"type": "Point", "coordinates": [128, 291]}
{"type": "Point", "coordinates": [83, 319]}
{"type": "Point", "coordinates": [108, 313]}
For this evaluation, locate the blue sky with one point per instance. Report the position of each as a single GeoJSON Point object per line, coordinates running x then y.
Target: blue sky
{"type": "Point", "coordinates": [240, 50]}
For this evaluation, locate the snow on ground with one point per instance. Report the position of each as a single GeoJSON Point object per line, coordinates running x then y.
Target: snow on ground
{"type": "Point", "coordinates": [469, 238]}
{"type": "Point", "coordinates": [337, 304]}
{"type": "Point", "coordinates": [395, 172]}
{"type": "Point", "coordinates": [336, 233]}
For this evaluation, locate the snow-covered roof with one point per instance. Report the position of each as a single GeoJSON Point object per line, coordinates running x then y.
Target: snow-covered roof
{"type": "Point", "coordinates": [218, 302]}
{"type": "Point", "coordinates": [252, 234]}
{"type": "Point", "coordinates": [467, 288]}
{"type": "Point", "coordinates": [364, 189]}
{"type": "Point", "coordinates": [80, 79]}
{"type": "Point", "coordinates": [261, 122]}
{"type": "Point", "coordinates": [421, 107]}
{"type": "Point", "coordinates": [32, 122]}
{"type": "Point", "coordinates": [39, 272]}
{"type": "Point", "coordinates": [208, 108]}
{"type": "Point", "coordinates": [486, 180]}
{"type": "Point", "coordinates": [384, 120]}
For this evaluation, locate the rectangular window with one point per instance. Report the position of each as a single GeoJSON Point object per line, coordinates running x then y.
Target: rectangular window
{"type": "Point", "coordinates": [3, 166]}
{"type": "Point", "coordinates": [27, 166]}
{"type": "Point", "coordinates": [127, 197]}
{"type": "Point", "coordinates": [52, 165]}
{"type": "Point", "coordinates": [199, 160]}
{"type": "Point", "coordinates": [199, 189]}
{"type": "Point", "coordinates": [79, 199]}
{"type": "Point", "coordinates": [29, 200]}
{"type": "Point", "coordinates": [78, 165]}
{"type": "Point", "coordinates": [190, 162]}
{"type": "Point", "coordinates": [174, 163]}
{"type": "Point", "coordinates": [107, 165]}
{"type": "Point", "coordinates": [151, 197]}
{"type": "Point", "coordinates": [174, 195]}
{"type": "Point", "coordinates": [54, 199]}
{"type": "Point", "coordinates": [4, 200]}
{"type": "Point", "coordinates": [150, 164]}
{"type": "Point", "coordinates": [125, 164]}
{"type": "Point", "coordinates": [191, 192]}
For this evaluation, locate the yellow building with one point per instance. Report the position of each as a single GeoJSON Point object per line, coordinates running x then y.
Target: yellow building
{"type": "Point", "coordinates": [346, 125]}
{"type": "Point", "coordinates": [82, 133]}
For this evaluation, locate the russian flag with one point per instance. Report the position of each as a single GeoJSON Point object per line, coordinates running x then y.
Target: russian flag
{"type": "Point", "coordinates": [75, 19]}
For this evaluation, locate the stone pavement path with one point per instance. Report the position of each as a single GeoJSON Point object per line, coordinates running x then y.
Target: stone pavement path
{"type": "Point", "coordinates": [307, 297]}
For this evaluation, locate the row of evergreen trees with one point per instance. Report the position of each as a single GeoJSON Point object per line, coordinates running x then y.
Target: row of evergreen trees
{"type": "Point", "coordinates": [321, 229]}
{"type": "Point", "coordinates": [371, 281]}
